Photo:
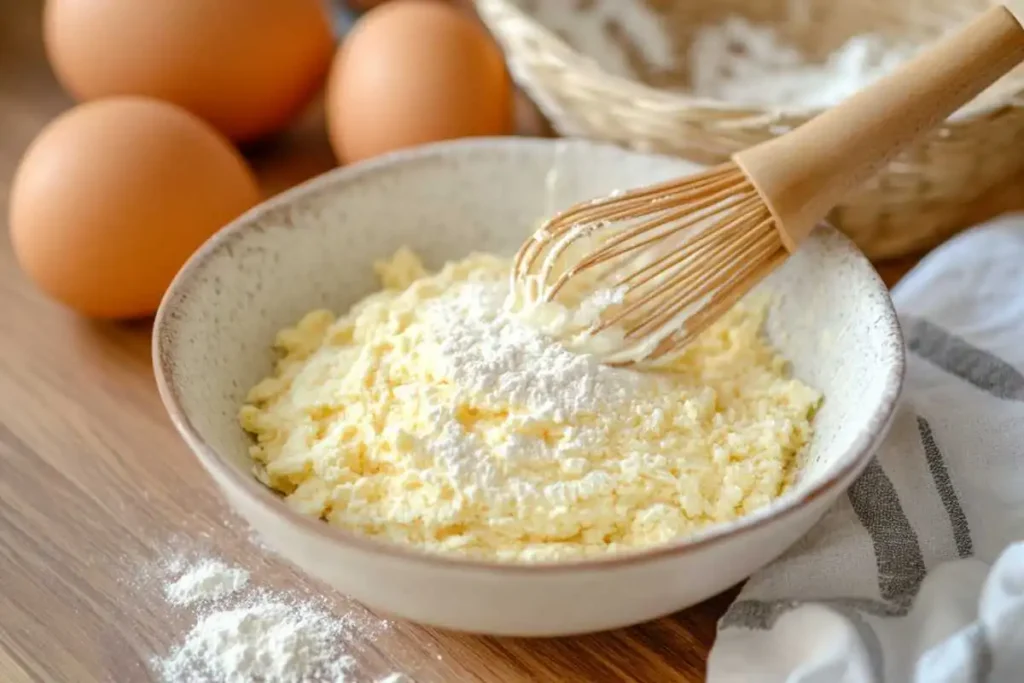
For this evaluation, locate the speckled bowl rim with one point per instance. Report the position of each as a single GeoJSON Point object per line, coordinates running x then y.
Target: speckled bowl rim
{"type": "Point", "coordinates": [850, 463]}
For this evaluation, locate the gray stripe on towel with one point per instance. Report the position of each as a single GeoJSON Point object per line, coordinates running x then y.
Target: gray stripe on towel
{"type": "Point", "coordinates": [957, 357]}
{"type": "Point", "coordinates": [761, 615]}
{"type": "Point", "coordinates": [944, 485]}
{"type": "Point", "coordinates": [897, 555]}
{"type": "Point", "coordinates": [897, 551]}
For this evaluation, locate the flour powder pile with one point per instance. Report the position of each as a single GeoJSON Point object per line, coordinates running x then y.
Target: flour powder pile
{"type": "Point", "coordinates": [490, 352]}
{"type": "Point", "coordinates": [207, 581]}
{"type": "Point", "coordinates": [247, 635]}
{"type": "Point", "coordinates": [264, 640]}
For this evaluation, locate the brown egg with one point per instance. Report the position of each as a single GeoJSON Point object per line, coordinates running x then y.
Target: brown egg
{"type": "Point", "coordinates": [415, 71]}
{"type": "Point", "coordinates": [246, 66]}
{"type": "Point", "coordinates": [114, 195]}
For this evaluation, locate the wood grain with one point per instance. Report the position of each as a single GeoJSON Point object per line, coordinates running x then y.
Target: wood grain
{"type": "Point", "coordinates": [95, 486]}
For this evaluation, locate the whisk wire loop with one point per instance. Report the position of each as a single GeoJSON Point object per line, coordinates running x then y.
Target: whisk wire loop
{"type": "Point", "coordinates": [668, 250]}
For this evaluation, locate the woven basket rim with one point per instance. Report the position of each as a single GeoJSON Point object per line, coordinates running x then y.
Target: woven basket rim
{"type": "Point", "coordinates": [741, 114]}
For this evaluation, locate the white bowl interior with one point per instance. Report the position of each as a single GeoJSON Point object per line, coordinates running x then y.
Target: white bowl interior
{"type": "Point", "coordinates": [315, 245]}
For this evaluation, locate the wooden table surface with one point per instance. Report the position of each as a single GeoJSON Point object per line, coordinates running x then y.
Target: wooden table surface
{"type": "Point", "coordinates": [96, 487]}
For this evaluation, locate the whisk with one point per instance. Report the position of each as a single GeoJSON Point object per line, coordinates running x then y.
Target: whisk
{"type": "Point", "coordinates": [679, 254]}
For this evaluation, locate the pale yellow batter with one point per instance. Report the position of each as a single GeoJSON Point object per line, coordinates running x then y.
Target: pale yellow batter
{"type": "Point", "coordinates": [431, 417]}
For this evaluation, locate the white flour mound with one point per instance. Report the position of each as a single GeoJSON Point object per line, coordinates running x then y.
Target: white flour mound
{"type": "Point", "coordinates": [252, 636]}
{"type": "Point", "coordinates": [267, 641]}
{"type": "Point", "coordinates": [207, 581]}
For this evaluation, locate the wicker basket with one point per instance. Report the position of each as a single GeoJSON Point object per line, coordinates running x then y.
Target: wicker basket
{"type": "Point", "coordinates": [916, 202]}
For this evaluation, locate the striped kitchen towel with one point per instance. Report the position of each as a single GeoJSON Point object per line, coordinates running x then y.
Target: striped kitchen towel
{"type": "Point", "coordinates": [917, 575]}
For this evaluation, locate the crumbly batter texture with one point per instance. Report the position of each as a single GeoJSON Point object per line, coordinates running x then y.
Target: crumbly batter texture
{"type": "Point", "coordinates": [431, 416]}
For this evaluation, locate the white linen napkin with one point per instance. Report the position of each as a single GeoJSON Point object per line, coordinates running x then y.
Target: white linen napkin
{"type": "Point", "coordinates": [917, 574]}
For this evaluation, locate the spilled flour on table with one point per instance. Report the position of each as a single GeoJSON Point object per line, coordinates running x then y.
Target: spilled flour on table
{"type": "Point", "coordinates": [243, 633]}
{"type": "Point", "coordinates": [207, 581]}
{"type": "Point", "coordinates": [262, 639]}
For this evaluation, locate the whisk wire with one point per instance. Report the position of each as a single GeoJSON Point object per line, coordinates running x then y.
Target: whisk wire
{"type": "Point", "coordinates": [674, 251]}
{"type": "Point", "coordinates": [669, 192]}
{"type": "Point", "coordinates": [693, 248]}
{"type": "Point", "coordinates": [666, 286]}
{"type": "Point", "coordinates": [688, 216]}
{"type": "Point", "coordinates": [705, 281]}
{"type": "Point", "coordinates": [680, 220]}
{"type": "Point", "coordinates": [715, 308]}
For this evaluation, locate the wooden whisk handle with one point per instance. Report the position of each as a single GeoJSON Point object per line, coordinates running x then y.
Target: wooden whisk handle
{"type": "Point", "coordinates": [804, 174]}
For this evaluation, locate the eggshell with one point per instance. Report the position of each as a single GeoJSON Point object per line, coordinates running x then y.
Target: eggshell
{"type": "Point", "coordinates": [411, 72]}
{"type": "Point", "coordinates": [246, 66]}
{"type": "Point", "coordinates": [114, 195]}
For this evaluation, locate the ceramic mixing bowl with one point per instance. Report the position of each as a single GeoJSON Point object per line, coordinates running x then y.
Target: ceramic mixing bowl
{"type": "Point", "coordinates": [314, 246]}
